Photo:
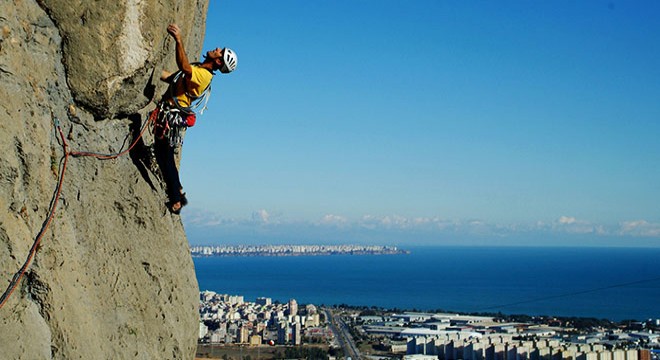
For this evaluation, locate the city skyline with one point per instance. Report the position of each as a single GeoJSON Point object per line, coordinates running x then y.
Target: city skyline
{"type": "Point", "coordinates": [430, 123]}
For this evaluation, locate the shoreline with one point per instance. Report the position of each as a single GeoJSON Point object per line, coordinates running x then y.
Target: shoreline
{"type": "Point", "coordinates": [297, 254]}
{"type": "Point", "coordinates": [293, 250]}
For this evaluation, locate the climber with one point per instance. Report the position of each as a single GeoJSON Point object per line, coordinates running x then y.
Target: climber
{"type": "Point", "coordinates": [176, 110]}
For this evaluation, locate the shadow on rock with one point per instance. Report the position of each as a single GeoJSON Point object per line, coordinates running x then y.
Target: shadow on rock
{"type": "Point", "coordinates": [142, 155]}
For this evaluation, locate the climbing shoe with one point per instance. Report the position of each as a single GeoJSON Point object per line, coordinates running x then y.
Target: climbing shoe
{"type": "Point", "coordinates": [176, 209]}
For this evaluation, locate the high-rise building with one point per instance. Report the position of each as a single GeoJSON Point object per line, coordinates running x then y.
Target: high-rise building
{"type": "Point", "coordinates": [203, 330]}
{"type": "Point", "coordinates": [232, 331]}
{"type": "Point", "coordinates": [297, 334]}
{"type": "Point", "coordinates": [312, 320]}
{"type": "Point", "coordinates": [644, 354]}
{"type": "Point", "coordinates": [293, 307]}
{"type": "Point", "coordinates": [282, 333]}
{"type": "Point", "coordinates": [310, 309]}
{"type": "Point", "coordinates": [244, 335]}
{"type": "Point", "coordinates": [236, 300]}
{"type": "Point", "coordinates": [264, 301]}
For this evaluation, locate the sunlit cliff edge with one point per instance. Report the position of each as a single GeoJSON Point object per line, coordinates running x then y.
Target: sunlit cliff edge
{"type": "Point", "coordinates": [113, 277]}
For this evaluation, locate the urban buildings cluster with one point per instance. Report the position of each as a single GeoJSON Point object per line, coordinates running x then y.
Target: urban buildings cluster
{"type": "Point", "coordinates": [459, 337]}
{"type": "Point", "coordinates": [230, 319]}
{"type": "Point", "coordinates": [292, 250]}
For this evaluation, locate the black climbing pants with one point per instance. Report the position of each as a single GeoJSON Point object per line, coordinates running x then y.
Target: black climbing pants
{"type": "Point", "coordinates": [165, 157]}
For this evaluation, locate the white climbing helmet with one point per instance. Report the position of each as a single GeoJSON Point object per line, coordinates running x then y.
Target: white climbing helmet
{"type": "Point", "coordinates": [229, 60]}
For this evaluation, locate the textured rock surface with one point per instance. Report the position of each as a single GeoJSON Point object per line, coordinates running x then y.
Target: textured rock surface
{"type": "Point", "coordinates": [113, 278]}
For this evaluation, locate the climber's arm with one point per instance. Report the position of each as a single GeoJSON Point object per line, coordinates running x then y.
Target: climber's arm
{"type": "Point", "coordinates": [181, 58]}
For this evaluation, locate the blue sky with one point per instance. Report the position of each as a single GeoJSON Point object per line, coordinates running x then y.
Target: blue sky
{"type": "Point", "coordinates": [430, 122]}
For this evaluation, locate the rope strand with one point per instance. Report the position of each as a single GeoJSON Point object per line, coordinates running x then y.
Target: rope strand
{"type": "Point", "coordinates": [18, 276]}
{"type": "Point", "coordinates": [113, 156]}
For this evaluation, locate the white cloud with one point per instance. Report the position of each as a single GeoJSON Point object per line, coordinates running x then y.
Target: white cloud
{"type": "Point", "coordinates": [572, 225]}
{"type": "Point", "coordinates": [394, 221]}
{"type": "Point", "coordinates": [331, 219]}
{"type": "Point", "coordinates": [261, 216]}
{"type": "Point", "coordinates": [421, 227]}
{"type": "Point", "coordinates": [421, 221]}
{"type": "Point", "coordinates": [200, 218]}
{"type": "Point", "coordinates": [567, 220]}
{"type": "Point", "coordinates": [639, 228]}
{"type": "Point", "coordinates": [397, 222]}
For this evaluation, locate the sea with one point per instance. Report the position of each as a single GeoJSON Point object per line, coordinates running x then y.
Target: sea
{"type": "Point", "coordinates": [605, 283]}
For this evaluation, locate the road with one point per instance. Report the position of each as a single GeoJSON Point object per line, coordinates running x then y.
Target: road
{"type": "Point", "coordinates": [343, 335]}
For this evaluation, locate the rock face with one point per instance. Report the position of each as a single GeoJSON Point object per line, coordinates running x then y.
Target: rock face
{"type": "Point", "coordinates": [113, 277]}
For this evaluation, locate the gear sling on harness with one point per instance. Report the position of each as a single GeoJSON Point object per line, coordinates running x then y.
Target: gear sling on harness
{"type": "Point", "coordinates": [170, 119]}
{"type": "Point", "coordinates": [170, 123]}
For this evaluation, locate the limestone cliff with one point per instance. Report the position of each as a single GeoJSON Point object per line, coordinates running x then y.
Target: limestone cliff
{"type": "Point", "coordinates": [113, 277]}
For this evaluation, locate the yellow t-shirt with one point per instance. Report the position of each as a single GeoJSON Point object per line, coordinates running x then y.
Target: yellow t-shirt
{"type": "Point", "coordinates": [193, 85]}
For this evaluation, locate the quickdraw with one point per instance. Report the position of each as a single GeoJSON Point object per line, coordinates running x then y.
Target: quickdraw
{"type": "Point", "coordinates": [170, 123]}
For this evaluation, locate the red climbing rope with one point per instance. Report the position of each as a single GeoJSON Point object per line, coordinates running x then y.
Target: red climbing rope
{"type": "Point", "coordinates": [151, 118]}
{"type": "Point", "coordinates": [58, 190]}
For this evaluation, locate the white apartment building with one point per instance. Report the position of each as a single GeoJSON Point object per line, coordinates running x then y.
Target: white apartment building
{"type": "Point", "coordinates": [203, 330]}
{"type": "Point", "coordinates": [449, 347]}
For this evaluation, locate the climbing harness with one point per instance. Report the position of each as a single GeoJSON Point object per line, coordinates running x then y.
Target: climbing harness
{"type": "Point", "coordinates": [16, 279]}
{"type": "Point", "coordinates": [171, 123]}
{"type": "Point", "coordinates": [171, 119]}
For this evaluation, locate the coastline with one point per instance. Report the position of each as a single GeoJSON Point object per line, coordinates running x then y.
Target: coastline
{"type": "Point", "coordinates": [293, 250]}
{"type": "Point", "coordinates": [536, 281]}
